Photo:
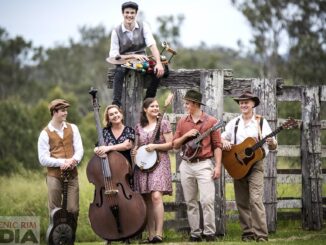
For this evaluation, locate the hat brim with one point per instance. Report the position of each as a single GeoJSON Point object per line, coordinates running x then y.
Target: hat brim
{"type": "Point", "coordinates": [254, 99]}
{"type": "Point", "coordinates": [196, 101]}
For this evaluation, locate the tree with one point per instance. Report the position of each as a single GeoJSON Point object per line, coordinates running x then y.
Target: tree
{"type": "Point", "coordinates": [302, 23]}
{"type": "Point", "coordinates": [14, 56]}
{"type": "Point", "coordinates": [169, 29]}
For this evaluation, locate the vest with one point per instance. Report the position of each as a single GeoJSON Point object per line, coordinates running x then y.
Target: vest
{"type": "Point", "coordinates": [61, 148]}
{"type": "Point", "coordinates": [137, 45]}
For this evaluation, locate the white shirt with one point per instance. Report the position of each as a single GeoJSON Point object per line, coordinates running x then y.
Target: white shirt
{"type": "Point", "coordinates": [245, 131]}
{"type": "Point", "coordinates": [115, 47]}
{"type": "Point", "coordinates": [43, 146]}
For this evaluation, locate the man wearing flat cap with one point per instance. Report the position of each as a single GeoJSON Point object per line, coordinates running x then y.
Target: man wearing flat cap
{"type": "Point", "coordinates": [129, 41]}
{"type": "Point", "coordinates": [60, 149]}
{"type": "Point", "coordinates": [249, 189]}
{"type": "Point", "coordinates": [198, 173]}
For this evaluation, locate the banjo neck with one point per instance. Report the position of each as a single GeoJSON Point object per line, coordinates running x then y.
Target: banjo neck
{"type": "Point", "coordinates": [160, 118]}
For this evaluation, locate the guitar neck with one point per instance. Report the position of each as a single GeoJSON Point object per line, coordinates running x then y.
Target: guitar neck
{"type": "Point", "coordinates": [65, 193]}
{"type": "Point", "coordinates": [202, 136]}
{"type": "Point", "coordinates": [207, 132]}
{"type": "Point", "coordinates": [262, 141]}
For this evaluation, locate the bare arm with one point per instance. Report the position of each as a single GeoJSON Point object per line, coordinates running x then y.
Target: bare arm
{"type": "Point", "coordinates": [217, 158]}
{"type": "Point", "coordinates": [162, 147]}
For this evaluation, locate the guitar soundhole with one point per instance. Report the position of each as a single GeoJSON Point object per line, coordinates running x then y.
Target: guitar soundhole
{"type": "Point", "coordinates": [248, 152]}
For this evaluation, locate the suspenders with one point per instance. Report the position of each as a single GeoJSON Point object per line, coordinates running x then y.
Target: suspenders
{"type": "Point", "coordinates": [260, 128]}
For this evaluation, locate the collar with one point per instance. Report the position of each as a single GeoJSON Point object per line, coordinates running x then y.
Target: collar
{"type": "Point", "coordinates": [52, 129]}
{"type": "Point", "coordinates": [124, 29]}
{"type": "Point", "coordinates": [253, 118]}
{"type": "Point", "coordinates": [201, 119]}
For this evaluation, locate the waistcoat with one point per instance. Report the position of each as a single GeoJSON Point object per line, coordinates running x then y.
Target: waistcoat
{"type": "Point", "coordinates": [61, 148]}
{"type": "Point", "coordinates": [137, 45]}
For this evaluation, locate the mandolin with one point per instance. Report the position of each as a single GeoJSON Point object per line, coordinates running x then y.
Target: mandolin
{"type": "Point", "coordinates": [190, 149]}
{"type": "Point", "coordinates": [241, 158]}
{"type": "Point", "coordinates": [145, 160]}
{"type": "Point", "coordinates": [63, 224]}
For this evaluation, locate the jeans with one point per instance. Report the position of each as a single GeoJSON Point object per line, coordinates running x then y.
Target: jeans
{"type": "Point", "coordinates": [118, 80]}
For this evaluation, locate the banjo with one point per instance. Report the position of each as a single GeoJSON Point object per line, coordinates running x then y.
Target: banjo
{"type": "Point", "coordinates": [145, 160]}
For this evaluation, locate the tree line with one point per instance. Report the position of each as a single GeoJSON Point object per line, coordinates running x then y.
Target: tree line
{"type": "Point", "coordinates": [32, 76]}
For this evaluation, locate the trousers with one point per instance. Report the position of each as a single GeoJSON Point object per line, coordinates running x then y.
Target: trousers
{"type": "Point", "coordinates": [249, 199]}
{"type": "Point", "coordinates": [118, 80]}
{"type": "Point", "coordinates": [198, 184]}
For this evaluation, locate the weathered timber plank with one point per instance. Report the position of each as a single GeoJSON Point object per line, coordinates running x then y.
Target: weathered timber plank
{"type": "Point", "coordinates": [284, 176]}
{"type": "Point", "coordinates": [211, 86]}
{"type": "Point", "coordinates": [323, 93]}
{"type": "Point", "coordinates": [295, 151]}
{"type": "Point", "coordinates": [312, 210]}
{"type": "Point", "coordinates": [293, 203]}
{"type": "Point", "coordinates": [290, 93]}
{"type": "Point", "coordinates": [190, 78]}
{"type": "Point", "coordinates": [265, 89]}
{"type": "Point", "coordinates": [231, 205]}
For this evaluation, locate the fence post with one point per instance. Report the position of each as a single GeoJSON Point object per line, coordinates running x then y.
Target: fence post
{"type": "Point", "coordinates": [312, 209]}
{"type": "Point", "coordinates": [211, 86]}
{"type": "Point", "coordinates": [265, 89]}
{"type": "Point", "coordinates": [132, 97]}
{"type": "Point", "coordinates": [178, 109]}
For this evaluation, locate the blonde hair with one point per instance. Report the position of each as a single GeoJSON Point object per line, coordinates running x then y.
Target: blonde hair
{"type": "Point", "coordinates": [106, 121]}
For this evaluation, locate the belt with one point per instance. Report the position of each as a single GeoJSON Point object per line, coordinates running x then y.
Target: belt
{"type": "Point", "coordinates": [198, 159]}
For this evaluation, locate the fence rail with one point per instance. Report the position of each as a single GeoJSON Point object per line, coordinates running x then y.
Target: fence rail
{"type": "Point", "coordinates": [216, 84]}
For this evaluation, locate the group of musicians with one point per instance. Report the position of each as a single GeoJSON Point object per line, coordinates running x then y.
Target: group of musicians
{"type": "Point", "coordinates": [60, 147]}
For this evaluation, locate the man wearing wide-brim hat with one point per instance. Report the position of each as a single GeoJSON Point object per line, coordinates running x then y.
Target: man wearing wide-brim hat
{"type": "Point", "coordinates": [199, 172]}
{"type": "Point", "coordinates": [249, 189]}
{"type": "Point", "coordinates": [60, 149]}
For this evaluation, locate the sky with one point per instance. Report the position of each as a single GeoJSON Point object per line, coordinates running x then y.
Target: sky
{"type": "Point", "coordinates": [51, 22]}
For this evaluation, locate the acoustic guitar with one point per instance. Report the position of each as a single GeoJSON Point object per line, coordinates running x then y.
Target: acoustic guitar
{"type": "Point", "coordinates": [190, 149]}
{"type": "Point", "coordinates": [63, 224]}
{"type": "Point", "coordinates": [242, 157]}
{"type": "Point", "coordinates": [145, 160]}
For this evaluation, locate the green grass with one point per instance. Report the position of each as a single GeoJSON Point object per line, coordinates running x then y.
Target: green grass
{"type": "Point", "coordinates": [26, 195]}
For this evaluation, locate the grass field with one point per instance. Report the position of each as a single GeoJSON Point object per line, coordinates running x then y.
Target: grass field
{"type": "Point", "coordinates": [26, 195]}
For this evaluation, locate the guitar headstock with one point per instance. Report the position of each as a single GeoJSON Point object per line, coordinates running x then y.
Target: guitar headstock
{"type": "Point", "coordinates": [169, 99]}
{"type": "Point", "coordinates": [290, 123]}
{"type": "Point", "coordinates": [220, 124]}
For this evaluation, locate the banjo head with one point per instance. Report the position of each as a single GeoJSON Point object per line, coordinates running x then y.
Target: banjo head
{"type": "Point", "coordinates": [145, 160]}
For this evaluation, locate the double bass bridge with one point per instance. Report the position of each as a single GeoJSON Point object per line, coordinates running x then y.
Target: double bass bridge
{"type": "Point", "coordinates": [111, 192]}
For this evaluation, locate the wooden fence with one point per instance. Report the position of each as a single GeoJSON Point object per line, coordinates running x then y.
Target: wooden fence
{"type": "Point", "coordinates": [217, 84]}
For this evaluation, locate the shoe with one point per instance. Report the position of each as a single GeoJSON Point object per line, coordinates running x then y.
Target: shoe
{"type": "Point", "coordinates": [262, 239]}
{"type": "Point", "coordinates": [248, 237]}
{"type": "Point", "coordinates": [195, 239]}
{"type": "Point", "coordinates": [210, 238]}
{"type": "Point", "coordinates": [157, 239]}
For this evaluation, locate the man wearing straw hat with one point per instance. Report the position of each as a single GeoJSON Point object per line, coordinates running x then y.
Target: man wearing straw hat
{"type": "Point", "coordinates": [249, 189]}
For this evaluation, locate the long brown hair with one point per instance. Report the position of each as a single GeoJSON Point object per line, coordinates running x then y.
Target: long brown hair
{"type": "Point", "coordinates": [106, 121]}
{"type": "Point", "coordinates": [143, 119]}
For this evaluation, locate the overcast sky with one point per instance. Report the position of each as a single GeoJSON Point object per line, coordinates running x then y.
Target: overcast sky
{"type": "Point", "coordinates": [46, 23]}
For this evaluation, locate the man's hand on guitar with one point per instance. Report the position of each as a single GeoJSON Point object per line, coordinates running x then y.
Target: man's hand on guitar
{"type": "Point", "coordinates": [272, 143]}
{"type": "Point", "coordinates": [192, 133]}
{"type": "Point", "coordinates": [226, 145]}
{"type": "Point", "coordinates": [217, 173]}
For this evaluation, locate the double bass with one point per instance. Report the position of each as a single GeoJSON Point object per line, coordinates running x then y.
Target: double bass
{"type": "Point", "coordinates": [116, 213]}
